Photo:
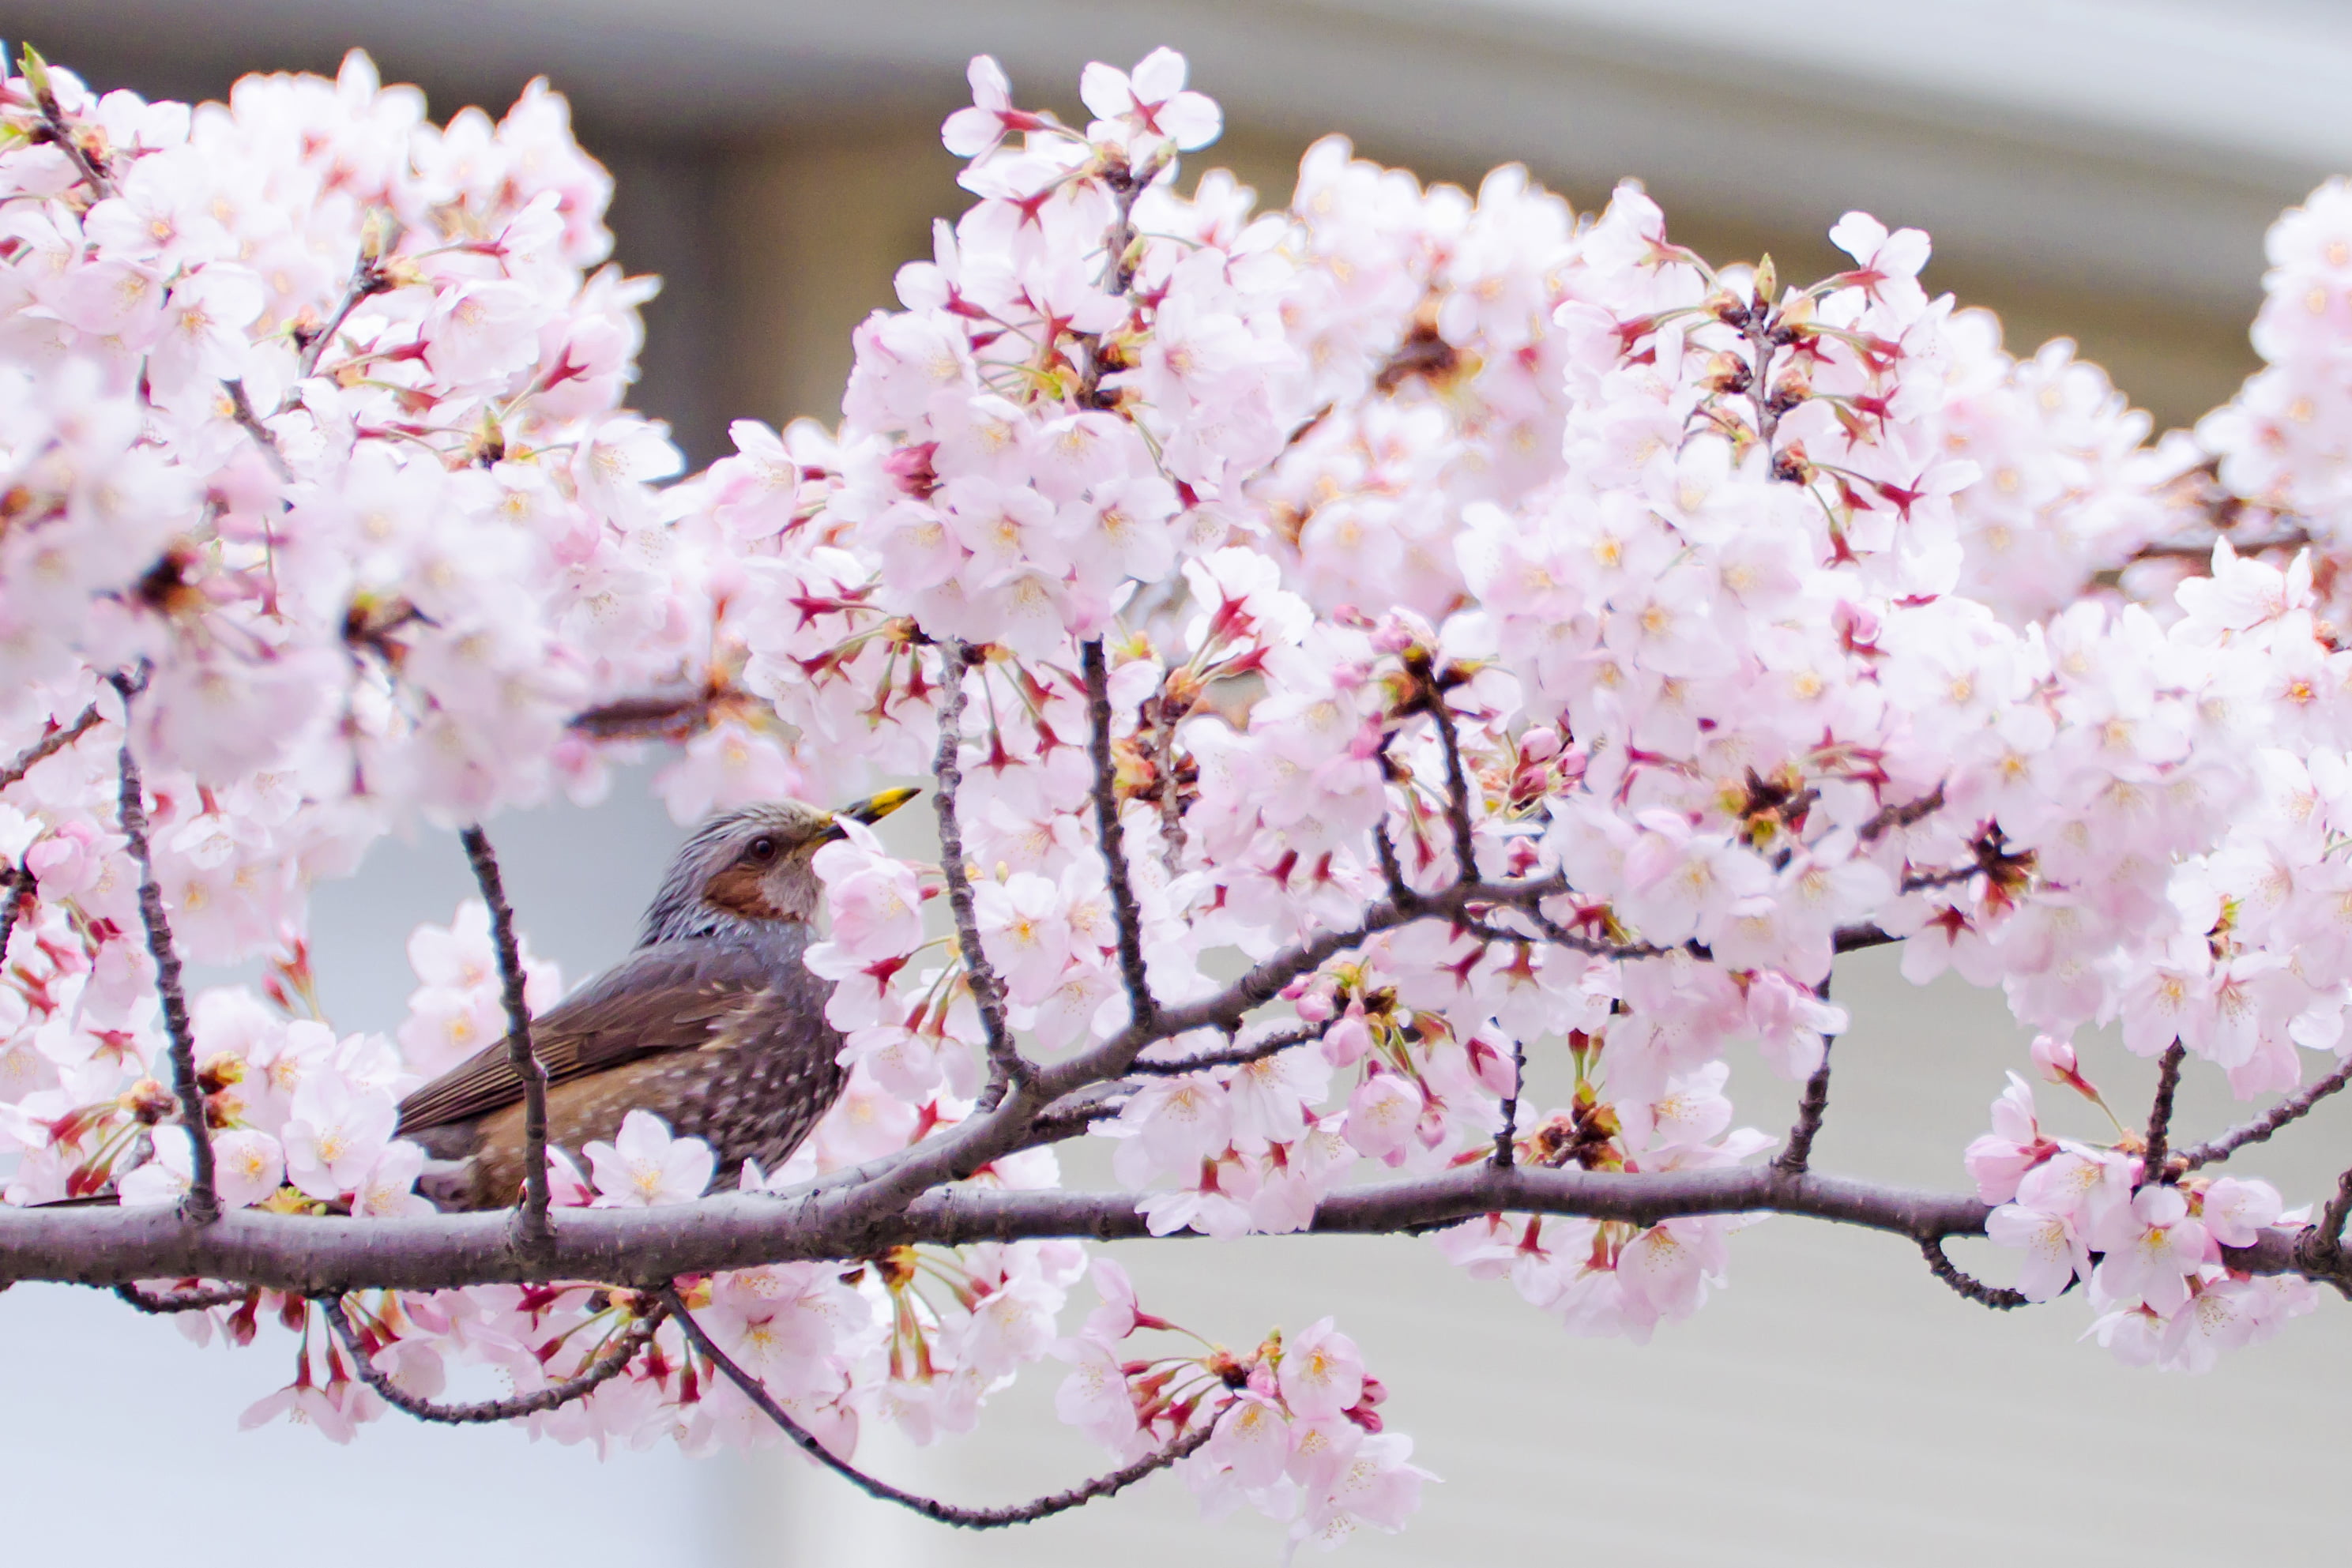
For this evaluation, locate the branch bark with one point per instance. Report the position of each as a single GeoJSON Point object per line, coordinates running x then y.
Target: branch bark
{"type": "Point", "coordinates": [1110, 835]}
{"type": "Point", "coordinates": [532, 1226]}
{"type": "Point", "coordinates": [2292, 1109]}
{"type": "Point", "coordinates": [1028, 1512]}
{"type": "Point", "coordinates": [49, 746]}
{"type": "Point", "coordinates": [201, 1204]}
{"type": "Point", "coordinates": [308, 1255]}
{"type": "Point", "coordinates": [2159, 1116]}
{"type": "Point", "coordinates": [1006, 1066]}
{"type": "Point", "coordinates": [615, 1360]}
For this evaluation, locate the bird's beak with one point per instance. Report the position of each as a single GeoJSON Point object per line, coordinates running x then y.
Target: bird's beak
{"type": "Point", "coordinates": [875, 808]}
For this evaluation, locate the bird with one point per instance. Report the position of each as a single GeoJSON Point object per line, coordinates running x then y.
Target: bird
{"type": "Point", "coordinates": [713, 1023]}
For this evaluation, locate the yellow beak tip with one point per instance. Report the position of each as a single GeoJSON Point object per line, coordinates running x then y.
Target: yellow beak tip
{"type": "Point", "coordinates": [879, 806]}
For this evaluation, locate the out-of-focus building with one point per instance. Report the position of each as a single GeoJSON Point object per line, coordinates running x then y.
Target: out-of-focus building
{"type": "Point", "coordinates": [2105, 170]}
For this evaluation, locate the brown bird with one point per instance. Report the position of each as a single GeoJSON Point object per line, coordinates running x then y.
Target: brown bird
{"type": "Point", "coordinates": [713, 1024]}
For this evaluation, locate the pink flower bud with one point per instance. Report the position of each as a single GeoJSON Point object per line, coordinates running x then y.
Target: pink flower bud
{"type": "Point", "coordinates": [1345, 1042]}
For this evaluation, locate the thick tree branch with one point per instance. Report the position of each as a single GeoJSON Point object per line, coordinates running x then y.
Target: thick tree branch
{"type": "Point", "coordinates": [532, 1226]}
{"type": "Point", "coordinates": [609, 1363]}
{"type": "Point", "coordinates": [308, 1255]}
{"type": "Point", "coordinates": [49, 746]}
{"type": "Point", "coordinates": [930, 1508]}
{"type": "Point", "coordinates": [201, 1205]}
{"type": "Point", "coordinates": [1006, 1066]}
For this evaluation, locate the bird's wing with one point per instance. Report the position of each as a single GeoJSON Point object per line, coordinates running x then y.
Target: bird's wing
{"type": "Point", "coordinates": [671, 996]}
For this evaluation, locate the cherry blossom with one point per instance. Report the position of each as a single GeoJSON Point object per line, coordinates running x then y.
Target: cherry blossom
{"type": "Point", "coordinates": [1526, 652]}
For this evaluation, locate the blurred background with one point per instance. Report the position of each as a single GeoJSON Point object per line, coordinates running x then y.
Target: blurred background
{"type": "Point", "coordinates": [2103, 170]}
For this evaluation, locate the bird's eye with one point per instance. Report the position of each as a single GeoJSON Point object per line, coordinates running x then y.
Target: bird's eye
{"type": "Point", "coordinates": [763, 848]}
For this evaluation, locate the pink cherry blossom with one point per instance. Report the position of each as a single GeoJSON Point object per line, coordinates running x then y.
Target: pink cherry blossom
{"type": "Point", "coordinates": [644, 1167]}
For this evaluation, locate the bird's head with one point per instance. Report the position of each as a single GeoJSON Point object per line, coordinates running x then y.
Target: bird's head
{"type": "Point", "coordinates": [748, 867]}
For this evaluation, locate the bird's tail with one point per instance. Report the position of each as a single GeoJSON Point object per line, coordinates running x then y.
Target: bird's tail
{"type": "Point", "coordinates": [95, 1200]}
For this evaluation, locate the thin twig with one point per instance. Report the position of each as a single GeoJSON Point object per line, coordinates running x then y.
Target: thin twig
{"type": "Point", "coordinates": [1237, 1054]}
{"type": "Point", "coordinates": [2203, 549]}
{"type": "Point", "coordinates": [1457, 784]}
{"type": "Point", "coordinates": [367, 279]}
{"type": "Point", "coordinates": [1111, 836]}
{"type": "Point", "coordinates": [53, 118]}
{"type": "Point", "coordinates": [241, 408]}
{"type": "Point", "coordinates": [1172, 794]}
{"type": "Point", "coordinates": [196, 1300]}
{"type": "Point", "coordinates": [2292, 1109]}
{"type": "Point", "coordinates": [533, 1226]}
{"type": "Point", "coordinates": [2330, 1228]}
{"type": "Point", "coordinates": [1812, 1106]}
{"type": "Point", "coordinates": [1994, 1296]}
{"type": "Point", "coordinates": [1506, 1137]}
{"type": "Point", "coordinates": [20, 882]}
{"type": "Point", "coordinates": [1759, 333]}
{"type": "Point", "coordinates": [2159, 1115]}
{"type": "Point", "coordinates": [614, 1360]}
{"type": "Point", "coordinates": [1952, 876]}
{"type": "Point", "coordinates": [49, 746]}
{"type": "Point", "coordinates": [1075, 1115]}
{"type": "Point", "coordinates": [1402, 893]}
{"type": "Point", "coordinates": [931, 1508]}
{"type": "Point", "coordinates": [1854, 938]}
{"type": "Point", "coordinates": [1908, 814]}
{"type": "Point", "coordinates": [201, 1204]}
{"type": "Point", "coordinates": [1006, 1066]}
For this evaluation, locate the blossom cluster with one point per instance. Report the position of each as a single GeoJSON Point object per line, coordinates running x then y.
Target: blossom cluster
{"type": "Point", "coordinates": [1535, 645]}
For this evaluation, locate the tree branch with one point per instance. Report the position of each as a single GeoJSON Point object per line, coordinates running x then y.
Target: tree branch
{"type": "Point", "coordinates": [308, 1255]}
{"type": "Point", "coordinates": [12, 905]}
{"type": "Point", "coordinates": [2159, 1116]}
{"type": "Point", "coordinates": [1457, 779]}
{"type": "Point", "coordinates": [53, 120]}
{"type": "Point", "coordinates": [201, 1204]}
{"type": "Point", "coordinates": [196, 1300]}
{"type": "Point", "coordinates": [614, 1360]}
{"type": "Point", "coordinates": [930, 1508]}
{"type": "Point", "coordinates": [241, 408]}
{"type": "Point", "coordinates": [1812, 1107]}
{"type": "Point", "coordinates": [49, 746]}
{"type": "Point", "coordinates": [2330, 1232]}
{"type": "Point", "coordinates": [1506, 1137]}
{"type": "Point", "coordinates": [1110, 835]}
{"type": "Point", "coordinates": [1904, 815]}
{"type": "Point", "coordinates": [1170, 790]}
{"type": "Point", "coordinates": [1006, 1066]}
{"type": "Point", "coordinates": [2292, 1109]}
{"type": "Point", "coordinates": [1998, 1299]}
{"type": "Point", "coordinates": [367, 279]}
{"type": "Point", "coordinates": [532, 1226]}
{"type": "Point", "coordinates": [1237, 1054]}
